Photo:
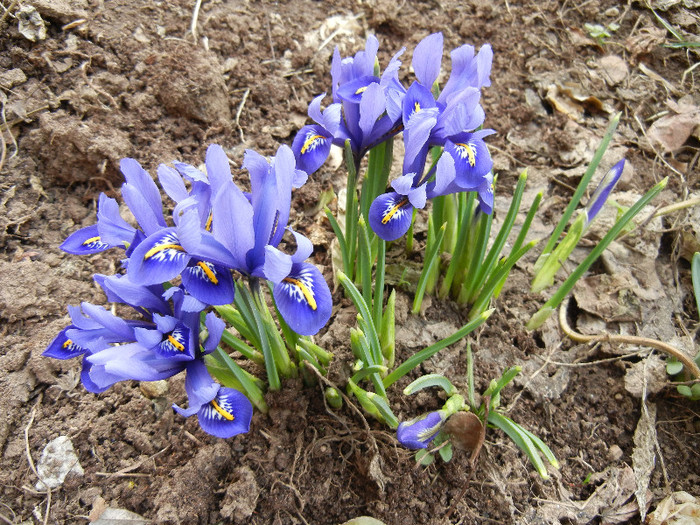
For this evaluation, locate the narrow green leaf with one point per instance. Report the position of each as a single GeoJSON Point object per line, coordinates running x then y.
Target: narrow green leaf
{"type": "Point", "coordinates": [521, 440]}
{"type": "Point", "coordinates": [428, 381]}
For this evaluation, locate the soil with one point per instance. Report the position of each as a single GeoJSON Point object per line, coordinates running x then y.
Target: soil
{"type": "Point", "coordinates": [129, 78]}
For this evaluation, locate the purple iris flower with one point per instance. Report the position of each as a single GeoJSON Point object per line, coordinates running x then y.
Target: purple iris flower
{"type": "Point", "coordinates": [252, 229]}
{"type": "Point", "coordinates": [158, 347]}
{"type": "Point", "coordinates": [391, 213]}
{"type": "Point", "coordinates": [312, 143]}
{"type": "Point", "coordinates": [420, 431]}
{"type": "Point", "coordinates": [222, 412]}
{"type": "Point", "coordinates": [602, 192]}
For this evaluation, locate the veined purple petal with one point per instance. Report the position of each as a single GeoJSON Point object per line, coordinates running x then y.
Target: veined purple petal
{"type": "Point", "coordinates": [215, 327]}
{"type": "Point", "coordinates": [417, 98]}
{"type": "Point", "coordinates": [233, 223]}
{"type": "Point", "coordinates": [419, 432]}
{"type": "Point", "coordinates": [159, 258]}
{"type": "Point", "coordinates": [354, 90]}
{"type": "Point", "coordinates": [210, 283]}
{"type": "Point", "coordinates": [190, 172]}
{"type": "Point", "coordinates": [602, 192]}
{"type": "Point", "coordinates": [444, 176]}
{"type": "Point", "coordinates": [390, 215]}
{"type": "Point", "coordinates": [372, 106]}
{"type": "Point", "coordinates": [113, 230]}
{"type": "Point", "coordinates": [403, 184]}
{"type": "Point", "coordinates": [142, 196]}
{"type": "Point", "coordinates": [85, 241]}
{"type": "Point", "coordinates": [303, 299]}
{"type": "Point", "coordinates": [416, 136]}
{"type": "Point", "coordinates": [276, 265]}
{"type": "Point", "coordinates": [62, 347]}
{"type": "Point", "coordinates": [121, 289]}
{"type": "Point", "coordinates": [227, 415]}
{"type": "Point", "coordinates": [172, 183]}
{"type": "Point", "coordinates": [176, 345]}
{"type": "Point", "coordinates": [427, 58]}
{"type": "Point", "coordinates": [472, 160]}
{"type": "Point", "coordinates": [311, 146]}
{"type": "Point", "coordinates": [199, 385]}
{"type": "Point", "coordinates": [304, 247]}
{"type": "Point", "coordinates": [417, 197]}
{"type": "Point", "coordinates": [87, 381]}
{"type": "Point", "coordinates": [218, 169]}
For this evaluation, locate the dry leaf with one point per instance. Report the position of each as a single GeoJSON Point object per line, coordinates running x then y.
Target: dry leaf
{"type": "Point", "coordinates": [643, 457]}
{"type": "Point", "coordinates": [680, 508]}
{"type": "Point", "coordinates": [566, 100]}
{"type": "Point", "coordinates": [615, 69]}
{"type": "Point", "coordinates": [672, 131]}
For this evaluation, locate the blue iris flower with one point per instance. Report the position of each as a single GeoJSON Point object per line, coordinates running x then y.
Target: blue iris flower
{"type": "Point", "coordinates": [252, 228]}
{"type": "Point", "coordinates": [159, 346]}
{"type": "Point", "coordinates": [419, 432]}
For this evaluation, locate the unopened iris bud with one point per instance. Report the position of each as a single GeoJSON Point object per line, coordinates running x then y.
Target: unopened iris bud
{"type": "Point", "coordinates": [420, 431]}
{"type": "Point", "coordinates": [602, 192]}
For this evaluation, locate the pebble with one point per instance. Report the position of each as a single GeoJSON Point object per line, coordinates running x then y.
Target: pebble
{"type": "Point", "coordinates": [614, 453]}
{"type": "Point", "coordinates": [58, 459]}
{"type": "Point", "coordinates": [154, 389]}
{"type": "Point", "coordinates": [613, 11]}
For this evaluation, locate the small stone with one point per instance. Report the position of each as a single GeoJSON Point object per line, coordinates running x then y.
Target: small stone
{"type": "Point", "coordinates": [58, 459]}
{"type": "Point", "coordinates": [614, 453]}
{"type": "Point", "coordinates": [154, 389]}
{"type": "Point", "coordinates": [612, 12]}
{"type": "Point", "coordinates": [13, 77]}
{"type": "Point", "coordinates": [113, 516]}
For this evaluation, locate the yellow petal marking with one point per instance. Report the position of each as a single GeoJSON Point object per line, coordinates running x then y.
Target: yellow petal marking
{"type": "Point", "coordinates": [207, 226]}
{"type": "Point", "coordinates": [361, 90]}
{"type": "Point", "coordinates": [177, 344]}
{"type": "Point", "coordinates": [224, 413]}
{"type": "Point", "coordinates": [161, 247]}
{"type": "Point", "coordinates": [396, 207]}
{"type": "Point", "coordinates": [470, 151]}
{"type": "Point", "coordinates": [91, 240]}
{"type": "Point", "coordinates": [304, 290]}
{"type": "Point", "coordinates": [207, 271]}
{"type": "Point", "coordinates": [416, 107]}
{"type": "Point", "coordinates": [67, 343]}
{"type": "Point", "coordinates": [309, 141]}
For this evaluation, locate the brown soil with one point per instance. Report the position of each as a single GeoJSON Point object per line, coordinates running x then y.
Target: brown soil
{"type": "Point", "coordinates": [133, 81]}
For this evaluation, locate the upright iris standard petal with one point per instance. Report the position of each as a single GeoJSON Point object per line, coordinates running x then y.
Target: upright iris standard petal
{"type": "Point", "coordinates": [311, 147]}
{"type": "Point", "coordinates": [602, 192]}
{"type": "Point", "coordinates": [142, 196]}
{"type": "Point", "coordinates": [62, 347]}
{"type": "Point", "coordinates": [208, 282]}
{"type": "Point", "coordinates": [303, 299]}
{"type": "Point", "coordinates": [159, 258]}
{"type": "Point", "coordinates": [426, 59]}
{"type": "Point", "coordinates": [390, 215]}
{"type": "Point", "coordinates": [85, 241]}
{"type": "Point", "coordinates": [227, 415]}
{"type": "Point", "coordinates": [419, 432]}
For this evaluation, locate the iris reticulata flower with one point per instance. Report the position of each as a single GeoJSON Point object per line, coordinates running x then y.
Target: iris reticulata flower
{"type": "Point", "coordinates": [420, 431]}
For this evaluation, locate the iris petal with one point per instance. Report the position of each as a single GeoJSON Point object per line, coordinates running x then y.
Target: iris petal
{"type": "Point", "coordinates": [62, 347]}
{"type": "Point", "coordinates": [390, 215]}
{"type": "Point", "coordinates": [311, 147]}
{"type": "Point", "coordinates": [227, 415]}
{"type": "Point", "coordinates": [159, 258]}
{"type": "Point", "coordinates": [209, 283]}
{"type": "Point", "coordinates": [303, 299]}
{"type": "Point", "coordinates": [85, 241]}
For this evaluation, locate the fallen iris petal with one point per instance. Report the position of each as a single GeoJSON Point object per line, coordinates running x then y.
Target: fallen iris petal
{"type": "Point", "coordinates": [303, 299]}
{"type": "Point", "coordinates": [418, 432]}
{"type": "Point", "coordinates": [227, 415]}
{"type": "Point", "coordinates": [390, 215]}
{"type": "Point", "coordinates": [209, 283]}
{"type": "Point", "coordinates": [85, 241]}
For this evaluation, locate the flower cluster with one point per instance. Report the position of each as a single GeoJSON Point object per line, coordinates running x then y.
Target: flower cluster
{"type": "Point", "coordinates": [368, 109]}
{"type": "Point", "coordinates": [173, 273]}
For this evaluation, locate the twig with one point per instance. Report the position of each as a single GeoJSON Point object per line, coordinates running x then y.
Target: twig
{"type": "Point", "coordinates": [195, 17]}
{"type": "Point", "coordinates": [677, 206]}
{"type": "Point", "coordinates": [239, 111]}
{"type": "Point", "coordinates": [627, 339]}
{"type": "Point", "coordinates": [126, 470]}
{"type": "Point", "coordinates": [7, 11]}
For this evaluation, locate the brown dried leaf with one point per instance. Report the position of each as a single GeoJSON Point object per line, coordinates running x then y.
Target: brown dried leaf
{"type": "Point", "coordinates": [566, 100]}
{"type": "Point", "coordinates": [466, 431]}
{"type": "Point", "coordinates": [672, 131]}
